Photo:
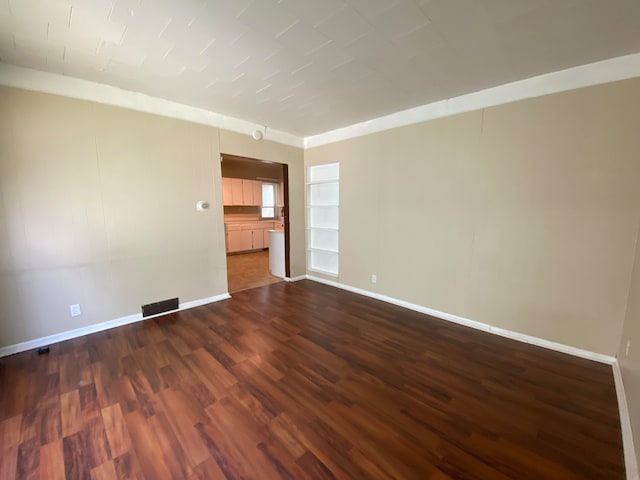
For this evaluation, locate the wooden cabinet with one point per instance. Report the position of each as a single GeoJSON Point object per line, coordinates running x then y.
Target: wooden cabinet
{"type": "Point", "coordinates": [247, 192]}
{"type": "Point", "coordinates": [239, 240]}
{"type": "Point", "coordinates": [258, 238]}
{"type": "Point", "coordinates": [227, 194]}
{"type": "Point", "coordinates": [250, 236]}
{"type": "Point", "coordinates": [257, 193]}
{"type": "Point", "coordinates": [239, 191]}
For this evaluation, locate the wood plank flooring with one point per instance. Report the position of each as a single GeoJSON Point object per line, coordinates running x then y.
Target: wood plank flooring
{"type": "Point", "coordinates": [304, 381]}
{"type": "Point", "coordinates": [249, 270]}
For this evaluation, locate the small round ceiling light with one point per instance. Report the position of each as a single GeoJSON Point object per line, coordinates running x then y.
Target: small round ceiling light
{"type": "Point", "coordinates": [257, 135]}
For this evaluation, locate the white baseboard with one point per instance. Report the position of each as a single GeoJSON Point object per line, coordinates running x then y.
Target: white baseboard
{"type": "Point", "coordinates": [197, 303]}
{"type": "Point", "coordinates": [540, 342]}
{"type": "Point", "coordinates": [99, 327]}
{"type": "Point", "coordinates": [630, 461]}
{"type": "Point", "coordinates": [295, 279]}
{"type": "Point", "coordinates": [625, 421]}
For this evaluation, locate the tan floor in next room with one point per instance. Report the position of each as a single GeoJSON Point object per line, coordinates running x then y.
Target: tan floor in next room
{"type": "Point", "coordinates": [249, 270]}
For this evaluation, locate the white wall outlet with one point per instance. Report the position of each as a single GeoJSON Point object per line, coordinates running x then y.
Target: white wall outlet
{"type": "Point", "coordinates": [626, 352]}
{"type": "Point", "coordinates": [75, 310]}
{"type": "Point", "coordinates": [374, 278]}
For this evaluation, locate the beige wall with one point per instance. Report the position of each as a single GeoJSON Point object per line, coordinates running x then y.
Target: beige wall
{"type": "Point", "coordinates": [97, 207]}
{"type": "Point", "coordinates": [521, 216]}
{"type": "Point", "coordinates": [630, 364]}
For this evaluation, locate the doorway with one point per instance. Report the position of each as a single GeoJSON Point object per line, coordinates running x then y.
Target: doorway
{"type": "Point", "coordinates": [255, 200]}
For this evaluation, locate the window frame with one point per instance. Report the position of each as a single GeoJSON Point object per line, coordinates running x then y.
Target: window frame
{"type": "Point", "coordinates": [275, 201]}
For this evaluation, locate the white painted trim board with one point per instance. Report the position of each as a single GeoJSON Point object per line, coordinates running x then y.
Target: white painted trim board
{"type": "Point", "coordinates": [611, 70]}
{"type": "Point", "coordinates": [295, 279]}
{"type": "Point", "coordinates": [29, 79]}
{"type": "Point", "coordinates": [540, 342]}
{"type": "Point", "coordinates": [605, 71]}
{"type": "Point", "coordinates": [99, 327]}
{"type": "Point", "coordinates": [625, 421]}
{"type": "Point", "coordinates": [631, 465]}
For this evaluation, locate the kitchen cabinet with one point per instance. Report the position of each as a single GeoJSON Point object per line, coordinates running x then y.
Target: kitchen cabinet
{"type": "Point", "coordinates": [240, 191]}
{"type": "Point", "coordinates": [257, 193]}
{"type": "Point", "coordinates": [249, 236]}
{"type": "Point", "coordinates": [247, 192]}
{"type": "Point", "coordinates": [258, 238]}
{"type": "Point", "coordinates": [237, 192]}
{"type": "Point", "coordinates": [239, 240]}
{"type": "Point", "coordinates": [227, 194]}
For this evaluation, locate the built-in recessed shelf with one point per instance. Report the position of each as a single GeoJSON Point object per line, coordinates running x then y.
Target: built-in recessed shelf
{"type": "Point", "coordinates": [320, 182]}
{"type": "Point", "coordinates": [330, 250]}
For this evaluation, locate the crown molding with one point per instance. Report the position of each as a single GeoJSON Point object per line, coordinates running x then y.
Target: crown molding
{"type": "Point", "coordinates": [612, 70]}
{"type": "Point", "coordinates": [29, 79]}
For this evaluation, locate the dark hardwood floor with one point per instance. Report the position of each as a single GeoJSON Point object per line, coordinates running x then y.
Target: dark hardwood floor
{"type": "Point", "coordinates": [304, 381]}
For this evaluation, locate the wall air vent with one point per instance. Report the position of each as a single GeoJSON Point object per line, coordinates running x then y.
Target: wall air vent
{"type": "Point", "coordinates": [160, 307]}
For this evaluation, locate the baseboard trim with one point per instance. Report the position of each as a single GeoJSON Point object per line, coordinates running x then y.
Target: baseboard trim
{"type": "Point", "coordinates": [203, 301]}
{"type": "Point", "coordinates": [630, 461]}
{"type": "Point", "coordinates": [631, 464]}
{"type": "Point", "coordinates": [295, 279]}
{"type": "Point", "coordinates": [99, 327]}
{"type": "Point", "coordinates": [540, 342]}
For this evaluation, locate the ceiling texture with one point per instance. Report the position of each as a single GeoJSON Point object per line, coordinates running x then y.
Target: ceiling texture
{"type": "Point", "coordinates": [310, 66]}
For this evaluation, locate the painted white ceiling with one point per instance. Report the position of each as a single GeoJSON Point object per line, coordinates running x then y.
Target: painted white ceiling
{"type": "Point", "coordinates": [309, 66]}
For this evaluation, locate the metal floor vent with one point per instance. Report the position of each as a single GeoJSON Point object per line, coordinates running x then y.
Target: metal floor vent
{"type": "Point", "coordinates": [160, 307]}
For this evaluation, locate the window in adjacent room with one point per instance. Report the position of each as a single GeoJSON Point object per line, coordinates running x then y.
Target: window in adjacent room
{"type": "Point", "coordinates": [323, 187]}
{"type": "Point", "coordinates": [268, 209]}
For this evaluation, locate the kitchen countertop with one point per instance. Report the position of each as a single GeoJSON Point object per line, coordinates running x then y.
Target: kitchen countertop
{"type": "Point", "coordinates": [264, 224]}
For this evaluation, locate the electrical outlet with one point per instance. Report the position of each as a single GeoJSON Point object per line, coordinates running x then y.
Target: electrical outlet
{"type": "Point", "coordinates": [75, 310]}
{"type": "Point", "coordinates": [374, 278]}
{"type": "Point", "coordinates": [626, 352]}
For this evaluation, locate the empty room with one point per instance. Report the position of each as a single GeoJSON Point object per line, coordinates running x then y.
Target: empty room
{"type": "Point", "coordinates": [319, 239]}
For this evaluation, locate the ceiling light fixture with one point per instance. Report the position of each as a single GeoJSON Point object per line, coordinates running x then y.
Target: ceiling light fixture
{"type": "Point", "coordinates": [258, 134]}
